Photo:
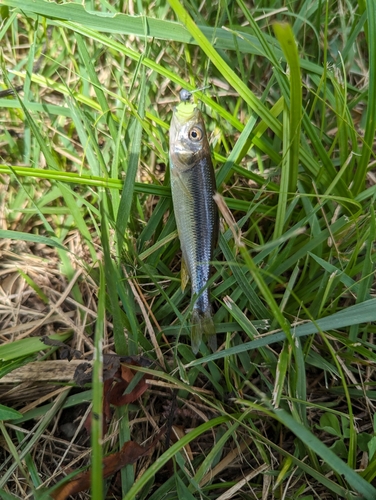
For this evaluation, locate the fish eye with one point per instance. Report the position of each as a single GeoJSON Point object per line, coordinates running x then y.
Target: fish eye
{"type": "Point", "coordinates": [195, 134]}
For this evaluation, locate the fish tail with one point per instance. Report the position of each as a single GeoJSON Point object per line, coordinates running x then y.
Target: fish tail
{"type": "Point", "coordinates": [203, 326]}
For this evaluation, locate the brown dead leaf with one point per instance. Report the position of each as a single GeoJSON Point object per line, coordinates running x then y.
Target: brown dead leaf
{"type": "Point", "coordinates": [129, 454]}
{"type": "Point", "coordinates": [83, 374]}
{"type": "Point", "coordinates": [111, 364]}
{"type": "Point", "coordinates": [116, 397]}
{"type": "Point", "coordinates": [127, 374]}
{"type": "Point", "coordinates": [115, 384]}
{"type": "Point", "coordinates": [66, 352]}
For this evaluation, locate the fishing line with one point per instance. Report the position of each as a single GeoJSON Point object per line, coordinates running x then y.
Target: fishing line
{"type": "Point", "coordinates": [185, 95]}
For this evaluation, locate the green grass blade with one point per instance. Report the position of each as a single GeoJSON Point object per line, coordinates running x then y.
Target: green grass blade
{"type": "Point", "coordinates": [25, 448]}
{"type": "Point", "coordinates": [357, 314]}
{"type": "Point", "coordinates": [97, 412]}
{"type": "Point", "coordinates": [286, 38]}
{"type": "Point", "coordinates": [167, 455]}
{"type": "Point", "coordinates": [113, 277]}
{"type": "Point", "coordinates": [344, 278]}
{"type": "Point", "coordinates": [133, 160]}
{"type": "Point", "coordinates": [225, 69]}
{"type": "Point", "coordinates": [99, 92]}
{"type": "Point", "coordinates": [236, 151]}
{"type": "Point", "coordinates": [7, 496]}
{"type": "Point", "coordinates": [285, 179]}
{"type": "Point", "coordinates": [27, 346]}
{"type": "Point", "coordinates": [264, 289]}
{"type": "Point", "coordinates": [369, 134]}
{"type": "Point", "coordinates": [315, 444]}
{"type": "Point", "coordinates": [255, 304]}
{"type": "Point", "coordinates": [364, 287]}
{"type": "Point", "coordinates": [293, 307]}
{"type": "Point", "coordinates": [42, 240]}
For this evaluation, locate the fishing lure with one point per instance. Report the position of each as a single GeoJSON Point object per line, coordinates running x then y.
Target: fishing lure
{"type": "Point", "coordinates": [193, 187]}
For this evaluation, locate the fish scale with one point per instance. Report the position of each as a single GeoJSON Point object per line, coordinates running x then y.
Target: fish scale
{"type": "Point", "coordinates": [193, 187]}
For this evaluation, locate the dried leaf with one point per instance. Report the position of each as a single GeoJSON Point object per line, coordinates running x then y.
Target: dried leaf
{"type": "Point", "coordinates": [83, 374]}
{"type": "Point", "coordinates": [113, 387]}
{"type": "Point", "coordinates": [116, 396]}
{"type": "Point", "coordinates": [129, 454]}
{"type": "Point", "coordinates": [111, 365]}
{"type": "Point", "coordinates": [66, 352]}
{"type": "Point", "coordinates": [127, 374]}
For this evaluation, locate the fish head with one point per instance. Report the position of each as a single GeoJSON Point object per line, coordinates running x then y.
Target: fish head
{"type": "Point", "coordinates": [188, 141]}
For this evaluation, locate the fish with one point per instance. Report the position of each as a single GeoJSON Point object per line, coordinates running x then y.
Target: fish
{"type": "Point", "coordinates": [193, 187]}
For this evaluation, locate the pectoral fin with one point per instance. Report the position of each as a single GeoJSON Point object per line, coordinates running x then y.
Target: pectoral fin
{"type": "Point", "coordinates": [180, 185]}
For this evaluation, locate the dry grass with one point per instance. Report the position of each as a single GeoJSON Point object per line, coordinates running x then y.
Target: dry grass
{"type": "Point", "coordinates": [89, 256]}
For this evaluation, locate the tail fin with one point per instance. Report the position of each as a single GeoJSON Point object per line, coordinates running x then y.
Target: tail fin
{"type": "Point", "coordinates": [202, 325]}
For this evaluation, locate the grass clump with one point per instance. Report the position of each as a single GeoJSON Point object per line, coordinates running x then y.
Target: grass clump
{"type": "Point", "coordinates": [90, 256]}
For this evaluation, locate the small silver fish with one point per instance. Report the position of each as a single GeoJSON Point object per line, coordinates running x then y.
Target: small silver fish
{"type": "Point", "coordinates": [193, 187]}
